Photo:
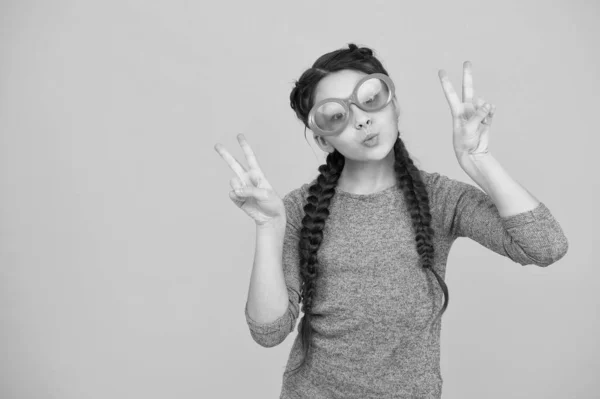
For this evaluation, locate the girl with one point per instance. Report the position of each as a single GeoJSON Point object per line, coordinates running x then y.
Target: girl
{"type": "Point", "coordinates": [364, 245]}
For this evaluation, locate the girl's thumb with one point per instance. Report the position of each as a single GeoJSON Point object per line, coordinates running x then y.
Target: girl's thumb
{"type": "Point", "coordinates": [247, 191]}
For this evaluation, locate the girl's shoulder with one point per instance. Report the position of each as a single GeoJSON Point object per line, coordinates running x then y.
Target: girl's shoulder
{"type": "Point", "coordinates": [299, 194]}
{"type": "Point", "coordinates": [296, 199]}
{"type": "Point", "coordinates": [432, 180]}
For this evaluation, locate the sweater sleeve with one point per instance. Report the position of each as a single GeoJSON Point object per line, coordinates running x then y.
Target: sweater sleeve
{"type": "Point", "coordinates": [531, 237]}
{"type": "Point", "coordinates": [272, 334]}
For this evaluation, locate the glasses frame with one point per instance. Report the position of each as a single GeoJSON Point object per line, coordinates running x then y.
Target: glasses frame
{"type": "Point", "coordinates": [353, 99]}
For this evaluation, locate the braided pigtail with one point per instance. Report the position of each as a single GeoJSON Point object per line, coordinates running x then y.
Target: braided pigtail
{"type": "Point", "coordinates": [417, 200]}
{"type": "Point", "coordinates": [311, 236]}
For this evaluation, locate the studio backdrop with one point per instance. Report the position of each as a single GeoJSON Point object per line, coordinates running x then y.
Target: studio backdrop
{"type": "Point", "coordinates": [125, 266]}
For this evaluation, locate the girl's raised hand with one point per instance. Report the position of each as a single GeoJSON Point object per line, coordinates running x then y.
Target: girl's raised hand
{"type": "Point", "coordinates": [471, 117]}
{"type": "Point", "coordinates": [251, 190]}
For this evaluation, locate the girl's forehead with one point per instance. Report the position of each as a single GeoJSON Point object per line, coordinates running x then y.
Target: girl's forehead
{"type": "Point", "coordinates": [338, 84]}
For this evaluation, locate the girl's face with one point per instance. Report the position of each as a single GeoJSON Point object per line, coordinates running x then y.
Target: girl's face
{"type": "Point", "coordinates": [350, 141]}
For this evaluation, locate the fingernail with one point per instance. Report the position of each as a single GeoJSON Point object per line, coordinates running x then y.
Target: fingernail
{"type": "Point", "coordinates": [239, 191]}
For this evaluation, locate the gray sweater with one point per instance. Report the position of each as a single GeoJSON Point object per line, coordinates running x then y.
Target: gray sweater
{"type": "Point", "coordinates": [374, 305]}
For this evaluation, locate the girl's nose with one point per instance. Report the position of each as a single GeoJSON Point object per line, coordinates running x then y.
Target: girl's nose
{"type": "Point", "coordinates": [361, 118]}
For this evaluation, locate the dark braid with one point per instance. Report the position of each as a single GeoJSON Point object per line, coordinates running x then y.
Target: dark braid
{"type": "Point", "coordinates": [417, 199]}
{"type": "Point", "coordinates": [317, 211]}
{"type": "Point", "coordinates": [320, 194]}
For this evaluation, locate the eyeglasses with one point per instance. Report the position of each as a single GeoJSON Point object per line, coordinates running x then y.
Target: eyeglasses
{"type": "Point", "coordinates": [330, 116]}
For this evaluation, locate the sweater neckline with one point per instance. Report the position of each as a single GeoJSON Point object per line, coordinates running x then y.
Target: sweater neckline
{"type": "Point", "coordinates": [376, 194]}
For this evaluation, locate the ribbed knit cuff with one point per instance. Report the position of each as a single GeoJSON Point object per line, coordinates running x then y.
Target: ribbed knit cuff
{"type": "Point", "coordinates": [540, 212]}
{"type": "Point", "coordinates": [266, 328]}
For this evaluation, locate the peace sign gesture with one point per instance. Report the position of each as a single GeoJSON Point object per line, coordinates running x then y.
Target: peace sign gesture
{"type": "Point", "coordinates": [471, 121]}
{"type": "Point", "coordinates": [251, 190]}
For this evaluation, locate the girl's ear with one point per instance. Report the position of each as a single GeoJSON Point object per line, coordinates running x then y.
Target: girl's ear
{"type": "Point", "coordinates": [323, 144]}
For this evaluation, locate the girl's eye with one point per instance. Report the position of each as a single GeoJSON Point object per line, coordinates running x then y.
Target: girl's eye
{"type": "Point", "coordinates": [369, 100]}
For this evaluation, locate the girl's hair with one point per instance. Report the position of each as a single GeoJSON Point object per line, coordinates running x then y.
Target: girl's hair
{"type": "Point", "coordinates": [320, 194]}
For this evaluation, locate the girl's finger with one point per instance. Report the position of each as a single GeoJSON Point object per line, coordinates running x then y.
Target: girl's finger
{"type": "Point", "coordinates": [256, 180]}
{"type": "Point", "coordinates": [250, 156]}
{"type": "Point", "coordinates": [480, 102]}
{"type": "Point", "coordinates": [231, 161]}
{"type": "Point", "coordinates": [479, 116]}
{"type": "Point", "coordinates": [490, 116]}
{"type": "Point", "coordinates": [235, 182]}
{"type": "Point", "coordinates": [235, 198]}
{"type": "Point", "coordinates": [467, 86]}
{"type": "Point", "coordinates": [449, 92]}
{"type": "Point", "coordinates": [254, 192]}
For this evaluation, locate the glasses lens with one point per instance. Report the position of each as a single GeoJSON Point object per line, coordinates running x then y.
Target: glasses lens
{"type": "Point", "coordinates": [373, 94]}
{"type": "Point", "coordinates": [330, 116]}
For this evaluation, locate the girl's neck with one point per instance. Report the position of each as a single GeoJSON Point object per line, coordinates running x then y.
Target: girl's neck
{"type": "Point", "coordinates": [367, 178]}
